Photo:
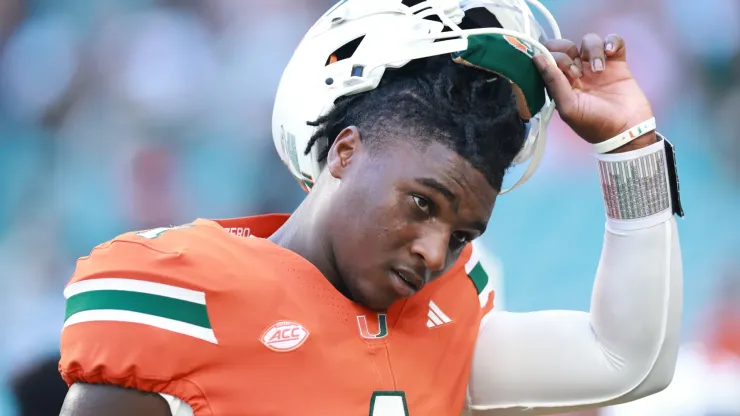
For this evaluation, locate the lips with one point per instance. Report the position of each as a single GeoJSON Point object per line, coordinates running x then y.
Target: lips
{"type": "Point", "coordinates": [410, 278]}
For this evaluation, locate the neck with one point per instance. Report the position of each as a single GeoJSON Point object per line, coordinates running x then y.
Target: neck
{"type": "Point", "coordinates": [304, 233]}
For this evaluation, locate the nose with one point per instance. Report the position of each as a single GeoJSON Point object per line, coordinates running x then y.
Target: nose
{"type": "Point", "coordinates": [432, 246]}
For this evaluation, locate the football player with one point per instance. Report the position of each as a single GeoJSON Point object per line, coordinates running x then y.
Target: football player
{"type": "Point", "coordinates": [401, 118]}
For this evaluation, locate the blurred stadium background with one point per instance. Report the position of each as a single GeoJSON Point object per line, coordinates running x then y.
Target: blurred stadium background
{"type": "Point", "coordinates": [129, 114]}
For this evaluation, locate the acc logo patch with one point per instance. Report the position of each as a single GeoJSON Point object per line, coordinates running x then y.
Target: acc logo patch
{"type": "Point", "coordinates": [284, 336]}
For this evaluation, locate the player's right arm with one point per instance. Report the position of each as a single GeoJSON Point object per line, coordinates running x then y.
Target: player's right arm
{"type": "Point", "coordinates": [137, 333]}
{"type": "Point", "coordinates": [623, 349]}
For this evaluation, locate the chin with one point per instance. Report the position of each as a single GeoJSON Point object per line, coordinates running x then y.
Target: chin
{"type": "Point", "coordinates": [378, 306]}
{"type": "Point", "coordinates": [369, 301]}
{"type": "Point", "coordinates": [370, 297]}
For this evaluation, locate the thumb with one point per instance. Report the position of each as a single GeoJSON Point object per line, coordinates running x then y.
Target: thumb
{"type": "Point", "coordinates": [558, 86]}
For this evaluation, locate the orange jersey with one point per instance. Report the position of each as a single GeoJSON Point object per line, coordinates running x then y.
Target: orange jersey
{"type": "Point", "coordinates": [240, 326]}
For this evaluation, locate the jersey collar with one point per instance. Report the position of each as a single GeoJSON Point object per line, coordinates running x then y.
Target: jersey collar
{"type": "Point", "coordinates": [261, 226]}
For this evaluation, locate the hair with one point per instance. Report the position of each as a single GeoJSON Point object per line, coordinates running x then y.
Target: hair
{"type": "Point", "coordinates": [464, 108]}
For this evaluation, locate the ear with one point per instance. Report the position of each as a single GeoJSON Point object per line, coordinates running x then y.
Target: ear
{"type": "Point", "coordinates": [346, 148]}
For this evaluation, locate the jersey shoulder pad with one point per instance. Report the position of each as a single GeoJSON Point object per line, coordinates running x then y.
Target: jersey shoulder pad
{"type": "Point", "coordinates": [137, 310]}
{"type": "Point", "coordinates": [485, 271]}
{"type": "Point", "coordinates": [475, 269]}
{"type": "Point", "coordinates": [199, 256]}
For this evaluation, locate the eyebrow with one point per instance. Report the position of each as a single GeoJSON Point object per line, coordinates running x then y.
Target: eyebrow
{"type": "Point", "coordinates": [449, 196]}
{"type": "Point", "coordinates": [436, 185]}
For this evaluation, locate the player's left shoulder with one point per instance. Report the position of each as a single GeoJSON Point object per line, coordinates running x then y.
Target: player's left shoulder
{"type": "Point", "coordinates": [474, 278]}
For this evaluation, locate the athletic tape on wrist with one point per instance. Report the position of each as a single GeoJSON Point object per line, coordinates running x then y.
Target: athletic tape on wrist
{"type": "Point", "coordinates": [640, 187]}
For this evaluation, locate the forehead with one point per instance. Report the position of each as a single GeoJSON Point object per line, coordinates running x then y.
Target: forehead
{"type": "Point", "coordinates": [409, 161]}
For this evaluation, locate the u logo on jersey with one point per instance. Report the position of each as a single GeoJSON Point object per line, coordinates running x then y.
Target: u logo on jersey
{"type": "Point", "coordinates": [382, 330]}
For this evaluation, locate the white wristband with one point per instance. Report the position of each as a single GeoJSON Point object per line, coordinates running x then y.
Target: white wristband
{"type": "Point", "coordinates": [616, 142]}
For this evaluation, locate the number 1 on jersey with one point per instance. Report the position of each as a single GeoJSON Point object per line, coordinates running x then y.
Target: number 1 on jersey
{"type": "Point", "coordinates": [388, 403]}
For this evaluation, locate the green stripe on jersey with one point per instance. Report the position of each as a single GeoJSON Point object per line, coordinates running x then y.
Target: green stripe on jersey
{"type": "Point", "coordinates": [158, 305]}
{"type": "Point", "coordinates": [478, 273]}
{"type": "Point", "coordinates": [479, 277]}
{"type": "Point", "coordinates": [146, 303]}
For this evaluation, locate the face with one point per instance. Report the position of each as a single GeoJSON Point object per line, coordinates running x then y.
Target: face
{"type": "Point", "coordinates": [401, 215]}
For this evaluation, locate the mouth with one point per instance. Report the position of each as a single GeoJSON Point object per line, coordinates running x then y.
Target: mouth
{"type": "Point", "coordinates": [410, 279]}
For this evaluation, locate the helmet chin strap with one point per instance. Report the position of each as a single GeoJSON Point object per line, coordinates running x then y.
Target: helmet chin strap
{"type": "Point", "coordinates": [539, 147]}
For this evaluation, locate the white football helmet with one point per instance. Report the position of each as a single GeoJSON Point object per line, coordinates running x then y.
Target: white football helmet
{"type": "Point", "coordinates": [349, 48]}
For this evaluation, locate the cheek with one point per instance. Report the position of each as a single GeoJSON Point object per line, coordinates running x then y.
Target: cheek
{"type": "Point", "coordinates": [397, 227]}
{"type": "Point", "coordinates": [381, 227]}
{"type": "Point", "coordinates": [382, 230]}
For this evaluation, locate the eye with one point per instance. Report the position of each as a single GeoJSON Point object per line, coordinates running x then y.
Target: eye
{"type": "Point", "coordinates": [460, 238]}
{"type": "Point", "coordinates": [422, 203]}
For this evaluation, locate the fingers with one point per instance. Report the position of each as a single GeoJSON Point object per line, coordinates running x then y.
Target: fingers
{"type": "Point", "coordinates": [567, 65]}
{"type": "Point", "coordinates": [562, 79]}
{"type": "Point", "coordinates": [558, 86]}
{"type": "Point", "coordinates": [568, 48]}
{"type": "Point", "coordinates": [615, 48]}
{"type": "Point", "coordinates": [592, 51]}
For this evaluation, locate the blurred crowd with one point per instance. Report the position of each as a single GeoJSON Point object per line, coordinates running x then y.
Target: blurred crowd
{"type": "Point", "coordinates": [130, 114]}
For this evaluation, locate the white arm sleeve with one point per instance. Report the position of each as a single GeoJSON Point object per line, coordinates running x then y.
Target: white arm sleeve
{"type": "Point", "coordinates": [624, 349]}
{"type": "Point", "coordinates": [177, 406]}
